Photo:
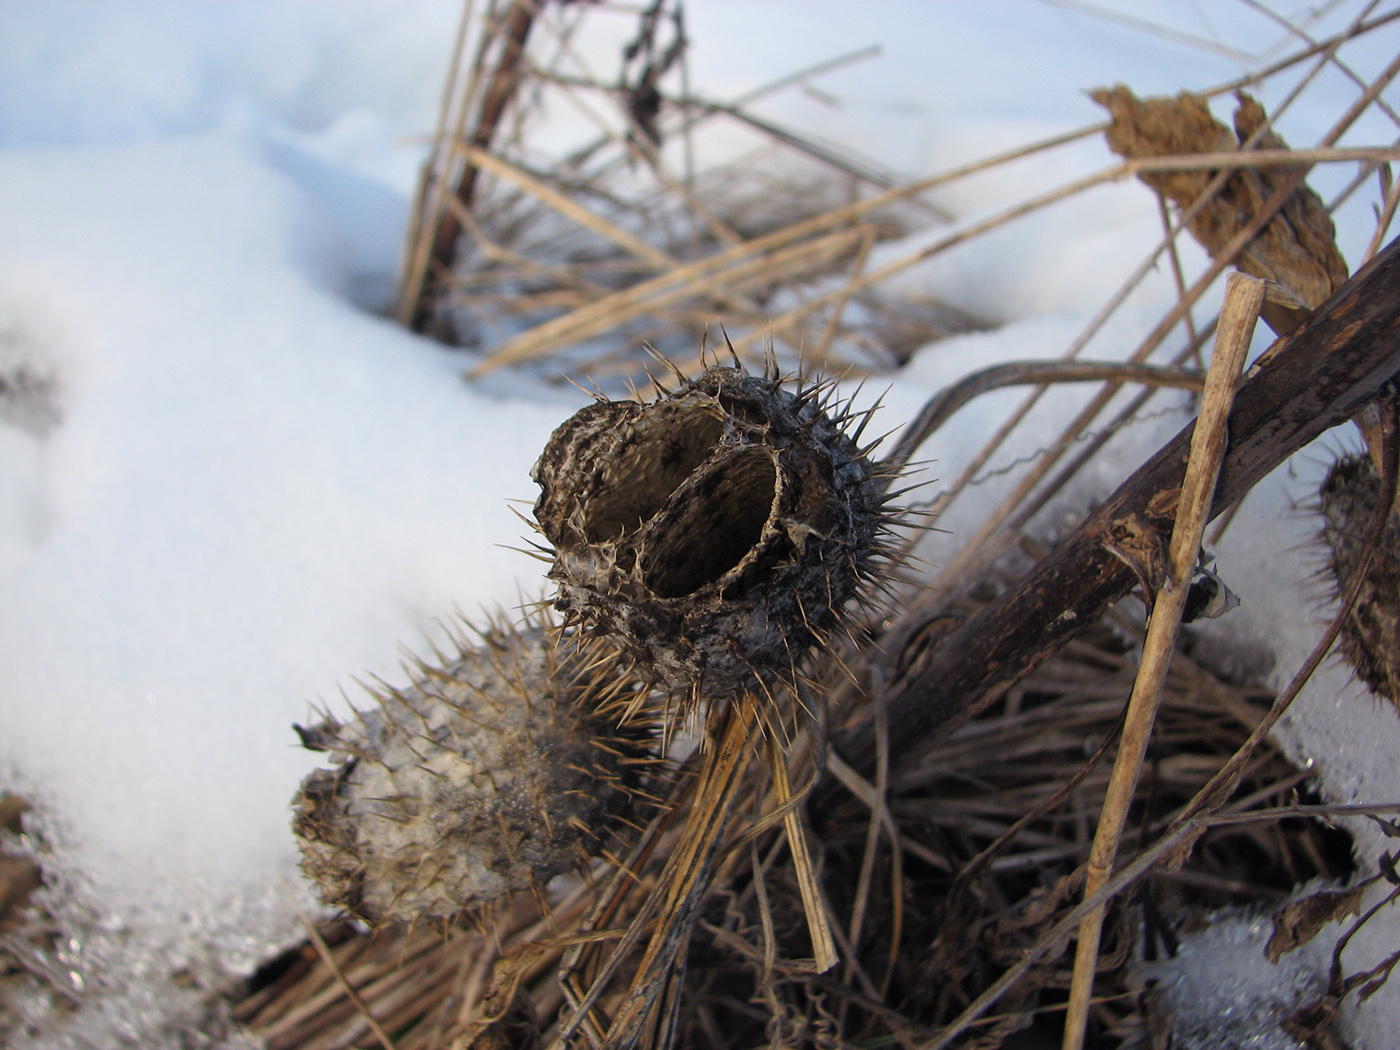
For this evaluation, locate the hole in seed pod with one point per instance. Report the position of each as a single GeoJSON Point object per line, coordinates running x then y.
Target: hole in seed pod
{"type": "Point", "coordinates": [711, 525]}
{"type": "Point", "coordinates": [669, 442]}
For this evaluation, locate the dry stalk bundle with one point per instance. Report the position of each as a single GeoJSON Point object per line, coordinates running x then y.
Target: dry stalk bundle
{"type": "Point", "coordinates": [1306, 383]}
{"type": "Point", "coordinates": [974, 860]}
{"type": "Point", "coordinates": [625, 239]}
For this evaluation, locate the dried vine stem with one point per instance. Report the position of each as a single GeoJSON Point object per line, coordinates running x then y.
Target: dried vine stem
{"type": "Point", "coordinates": [434, 246]}
{"type": "Point", "coordinates": [1243, 298]}
{"type": "Point", "coordinates": [941, 407]}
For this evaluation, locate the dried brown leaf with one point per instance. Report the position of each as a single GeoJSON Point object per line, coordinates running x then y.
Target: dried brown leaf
{"type": "Point", "coordinates": [1387, 866]}
{"type": "Point", "coordinates": [1380, 975]}
{"type": "Point", "coordinates": [1297, 249]}
{"type": "Point", "coordinates": [1389, 828]}
{"type": "Point", "coordinates": [1312, 1025]}
{"type": "Point", "coordinates": [1298, 922]}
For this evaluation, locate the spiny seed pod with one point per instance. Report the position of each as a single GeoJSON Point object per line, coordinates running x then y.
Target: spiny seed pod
{"type": "Point", "coordinates": [715, 533]}
{"type": "Point", "coordinates": [1370, 639]}
{"type": "Point", "coordinates": [489, 775]}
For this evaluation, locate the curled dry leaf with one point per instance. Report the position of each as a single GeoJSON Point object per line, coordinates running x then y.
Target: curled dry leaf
{"type": "Point", "coordinates": [1297, 249]}
{"type": "Point", "coordinates": [1388, 828]}
{"type": "Point", "coordinates": [1298, 922]}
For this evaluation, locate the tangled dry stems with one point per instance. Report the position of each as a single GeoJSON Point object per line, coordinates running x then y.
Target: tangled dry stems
{"type": "Point", "coordinates": [940, 874]}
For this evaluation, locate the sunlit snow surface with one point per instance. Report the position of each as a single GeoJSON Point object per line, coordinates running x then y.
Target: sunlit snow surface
{"type": "Point", "coordinates": [257, 490]}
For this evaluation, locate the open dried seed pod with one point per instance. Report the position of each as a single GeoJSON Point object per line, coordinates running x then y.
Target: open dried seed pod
{"type": "Point", "coordinates": [488, 775]}
{"type": "Point", "coordinates": [716, 533]}
{"type": "Point", "coordinates": [1370, 639]}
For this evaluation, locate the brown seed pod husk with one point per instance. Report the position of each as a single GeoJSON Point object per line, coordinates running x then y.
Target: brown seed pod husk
{"type": "Point", "coordinates": [1370, 639]}
{"type": "Point", "coordinates": [713, 534]}
{"type": "Point", "coordinates": [486, 776]}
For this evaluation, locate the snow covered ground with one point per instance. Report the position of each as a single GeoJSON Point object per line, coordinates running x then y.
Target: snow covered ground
{"type": "Point", "coordinates": [257, 490]}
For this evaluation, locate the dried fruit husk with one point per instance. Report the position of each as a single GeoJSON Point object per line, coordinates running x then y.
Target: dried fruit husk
{"type": "Point", "coordinates": [486, 776]}
{"type": "Point", "coordinates": [714, 534]}
{"type": "Point", "coordinates": [1370, 639]}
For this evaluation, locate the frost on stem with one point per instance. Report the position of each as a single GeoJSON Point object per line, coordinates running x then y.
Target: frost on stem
{"type": "Point", "coordinates": [489, 775]}
{"type": "Point", "coordinates": [716, 533]}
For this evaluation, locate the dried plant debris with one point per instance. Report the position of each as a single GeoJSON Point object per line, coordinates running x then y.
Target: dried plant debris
{"type": "Point", "coordinates": [1297, 248]}
{"type": "Point", "coordinates": [42, 968]}
{"type": "Point", "coordinates": [19, 873]}
{"type": "Point", "coordinates": [29, 392]}
{"type": "Point", "coordinates": [766, 191]}
{"type": "Point", "coordinates": [988, 832]}
{"type": "Point", "coordinates": [527, 263]}
{"type": "Point", "coordinates": [488, 775]}
{"type": "Point", "coordinates": [653, 58]}
{"type": "Point", "coordinates": [716, 533]}
{"type": "Point", "coordinates": [1299, 921]}
{"type": "Point", "coordinates": [1371, 634]}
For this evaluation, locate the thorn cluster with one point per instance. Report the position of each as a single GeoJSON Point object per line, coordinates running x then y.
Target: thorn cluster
{"type": "Point", "coordinates": [718, 532]}
{"type": "Point", "coordinates": [490, 774]}
{"type": "Point", "coordinates": [1370, 639]}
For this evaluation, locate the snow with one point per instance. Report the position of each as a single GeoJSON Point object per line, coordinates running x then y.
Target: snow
{"type": "Point", "coordinates": [259, 490]}
{"type": "Point", "coordinates": [1222, 996]}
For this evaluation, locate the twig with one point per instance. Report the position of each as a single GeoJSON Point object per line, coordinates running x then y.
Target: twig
{"type": "Point", "coordinates": [698, 278]}
{"type": "Point", "coordinates": [1383, 220]}
{"type": "Point", "coordinates": [687, 879]}
{"type": "Point", "coordinates": [1243, 298]}
{"type": "Point", "coordinates": [818, 927]}
{"type": "Point", "coordinates": [1259, 158]}
{"type": "Point", "coordinates": [520, 349]}
{"type": "Point", "coordinates": [438, 237]}
{"type": "Point", "coordinates": [978, 551]}
{"type": "Point", "coordinates": [1345, 69]}
{"type": "Point", "coordinates": [1359, 27]}
{"type": "Point", "coordinates": [1143, 25]}
{"type": "Point", "coordinates": [1126, 877]}
{"type": "Point", "coordinates": [323, 950]}
{"type": "Point", "coordinates": [1224, 782]}
{"type": "Point", "coordinates": [942, 405]}
{"type": "Point", "coordinates": [551, 197]}
{"type": "Point", "coordinates": [823, 347]}
{"type": "Point", "coordinates": [1178, 277]}
{"type": "Point", "coordinates": [432, 178]}
{"type": "Point", "coordinates": [878, 809]}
